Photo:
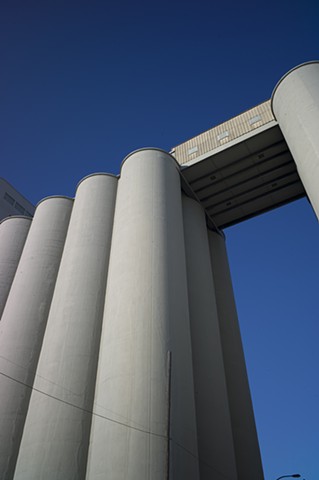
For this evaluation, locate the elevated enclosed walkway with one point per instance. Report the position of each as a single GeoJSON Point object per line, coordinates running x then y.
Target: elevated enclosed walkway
{"type": "Point", "coordinates": [240, 168]}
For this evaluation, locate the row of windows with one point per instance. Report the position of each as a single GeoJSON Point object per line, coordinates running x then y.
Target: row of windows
{"type": "Point", "coordinates": [16, 205]}
{"type": "Point", "coordinates": [224, 136]}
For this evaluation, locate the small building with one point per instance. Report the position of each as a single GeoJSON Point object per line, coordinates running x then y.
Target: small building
{"type": "Point", "coordinates": [12, 202]}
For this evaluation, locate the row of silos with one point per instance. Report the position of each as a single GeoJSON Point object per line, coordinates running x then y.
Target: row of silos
{"type": "Point", "coordinates": [23, 320]}
{"type": "Point", "coordinates": [113, 360]}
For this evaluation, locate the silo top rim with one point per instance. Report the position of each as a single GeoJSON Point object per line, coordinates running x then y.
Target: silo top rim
{"type": "Point", "coordinates": [150, 148]}
{"type": "Point", "coordinates": [284, 76]}
{"type": "Point", "coordinates": [51, 197]}
{"type": "Point", "coordinates": [93, 175]}
{"type": "Point", "coordinates": [22, 217]}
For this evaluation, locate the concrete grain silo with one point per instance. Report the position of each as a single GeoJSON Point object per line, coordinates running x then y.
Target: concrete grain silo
{"type": "Point", "coordinates": [120, 349]}
{"type": "Point", "coordinates": [24, 320]}
{"type": "Point", "coordinates": [13, 233]}
{"type": "Point", "coordinates": [215, 438]}
{"type": "Point", "coordinates": [144, 381]}
{"type": "Point", "coordinates": [56, 434]}
{"type": "Point", "coordinates": [240, 406]}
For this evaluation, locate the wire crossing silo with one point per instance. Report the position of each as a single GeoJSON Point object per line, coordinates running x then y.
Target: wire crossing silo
{"type": "Point", "coordinates": [121, 321]}
{"type": "Point", "coordinates": [145, 379]}
{"type": "Point", "coordinates": [24, 319]}
{"type": "Point", "coordinates": [13, 233]}
{"type": "Point", "coordinates": [56, 434]}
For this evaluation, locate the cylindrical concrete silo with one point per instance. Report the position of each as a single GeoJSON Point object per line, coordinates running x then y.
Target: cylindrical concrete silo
{"type": "Point", "coordinates": [215, 439]}
{"type": "Point", "coordinates": [295, 103]}
{"type": "Point", "coordinates": [56, 434]}
{"type": "Point", "coordinates": [144, 388]}
{"type": "Point", "coordinates": [248, 460]}
{"type": "Point", "coordinates": [24, 320]}
{"type": "Point", "coordinates": [13, 233]}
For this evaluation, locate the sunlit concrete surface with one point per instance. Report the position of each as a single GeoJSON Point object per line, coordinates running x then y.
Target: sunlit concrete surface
{"type": "Point", "coordinates": [120, 350]}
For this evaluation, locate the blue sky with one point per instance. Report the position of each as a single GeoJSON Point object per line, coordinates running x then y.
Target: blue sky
{"type": "Point", "coordinates": [84, 83]}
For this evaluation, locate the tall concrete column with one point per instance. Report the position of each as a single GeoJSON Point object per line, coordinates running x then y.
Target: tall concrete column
{"type": "Point", "coordinates": [24, 320]}
{"type": "Point", "coordinates": [56, 434]}
{"type": "Point", "coordinates": [13, 233]}
{"type": "Point", "coordinates": [215, 439]}
{"type": "Point", "coordinates": [246, 445]}
{"type": "Point", "coordinates": [144, 390]}
{"type": "Point", "coordinates": [295, 103]}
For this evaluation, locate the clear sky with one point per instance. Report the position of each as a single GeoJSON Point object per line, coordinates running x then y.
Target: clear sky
{"type": "Point", "coordinates": [83, 83]}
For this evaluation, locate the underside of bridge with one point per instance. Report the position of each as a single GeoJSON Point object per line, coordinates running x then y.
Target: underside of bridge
{"type": "Point", "coordinates": [240, 168]}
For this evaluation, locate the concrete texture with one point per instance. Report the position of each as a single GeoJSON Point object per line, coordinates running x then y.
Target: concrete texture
{"type": "Point", "coordinates": [295, 103]}
{"type": "Point", "coordinates": [24, 319]}
{"type": "Point", "coordinates": [141, 395]}
{"type": "Point", "coordinates": [246, 445]}
{"type": "Point", "coordinates": [141, 373]}
{"type": "Point", "coordinates": [56, 434]}
{"type": "Point", "coordinates": [215, 439]}
{"type": "Point", "coordinates": [13, 233]}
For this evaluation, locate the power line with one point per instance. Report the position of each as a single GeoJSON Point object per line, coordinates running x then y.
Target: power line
{"type": "Point", "coordinates": [90, 412]}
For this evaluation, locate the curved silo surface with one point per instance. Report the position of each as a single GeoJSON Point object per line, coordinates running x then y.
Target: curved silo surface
{"type": "Point", "coordinates": [144, 383]}
{"type": "Point", "coordinates": [13, 233]}
{"type": "Point", "coordinates": [24, 320]}
{"type": "Point", "coordinates": [295, 103]}
{"type": "Point", "coordinates": [56, 434]}
{"type": "Point", "coordinates": [215, 439]}
{"type": "Point", "coordinates": [248, 460]}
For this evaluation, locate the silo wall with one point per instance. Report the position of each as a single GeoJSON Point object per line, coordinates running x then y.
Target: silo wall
{"type": "Point", "coordinates": [13, 233]}
{"type": "Point", "coordinates": [215, 439]}
{"type": "Point", "coordinates": [295, 103]}
{"type": "Point", "coordinates": [246, 444]}
{"type": "Point", "coordinates": [24, 320]}
{"type": "Point", "coordinates": [144, 424]}
{"type": "Point", "coordinates": [56, 435]}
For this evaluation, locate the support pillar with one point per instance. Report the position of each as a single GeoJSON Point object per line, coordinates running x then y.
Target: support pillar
{"type": "Point", "coordinates": [215, 438]}
{"type": "Point", "coordinates": [295, 104]}
{"type": "Point", "coordinates": [246, 445]}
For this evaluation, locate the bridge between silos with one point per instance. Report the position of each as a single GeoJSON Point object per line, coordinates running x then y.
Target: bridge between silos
{"type": "Point", "coordinates": [240, 168]}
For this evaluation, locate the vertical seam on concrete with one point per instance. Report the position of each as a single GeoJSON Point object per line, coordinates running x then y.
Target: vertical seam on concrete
{"type": "Point", "coordinates": [151, 329]}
